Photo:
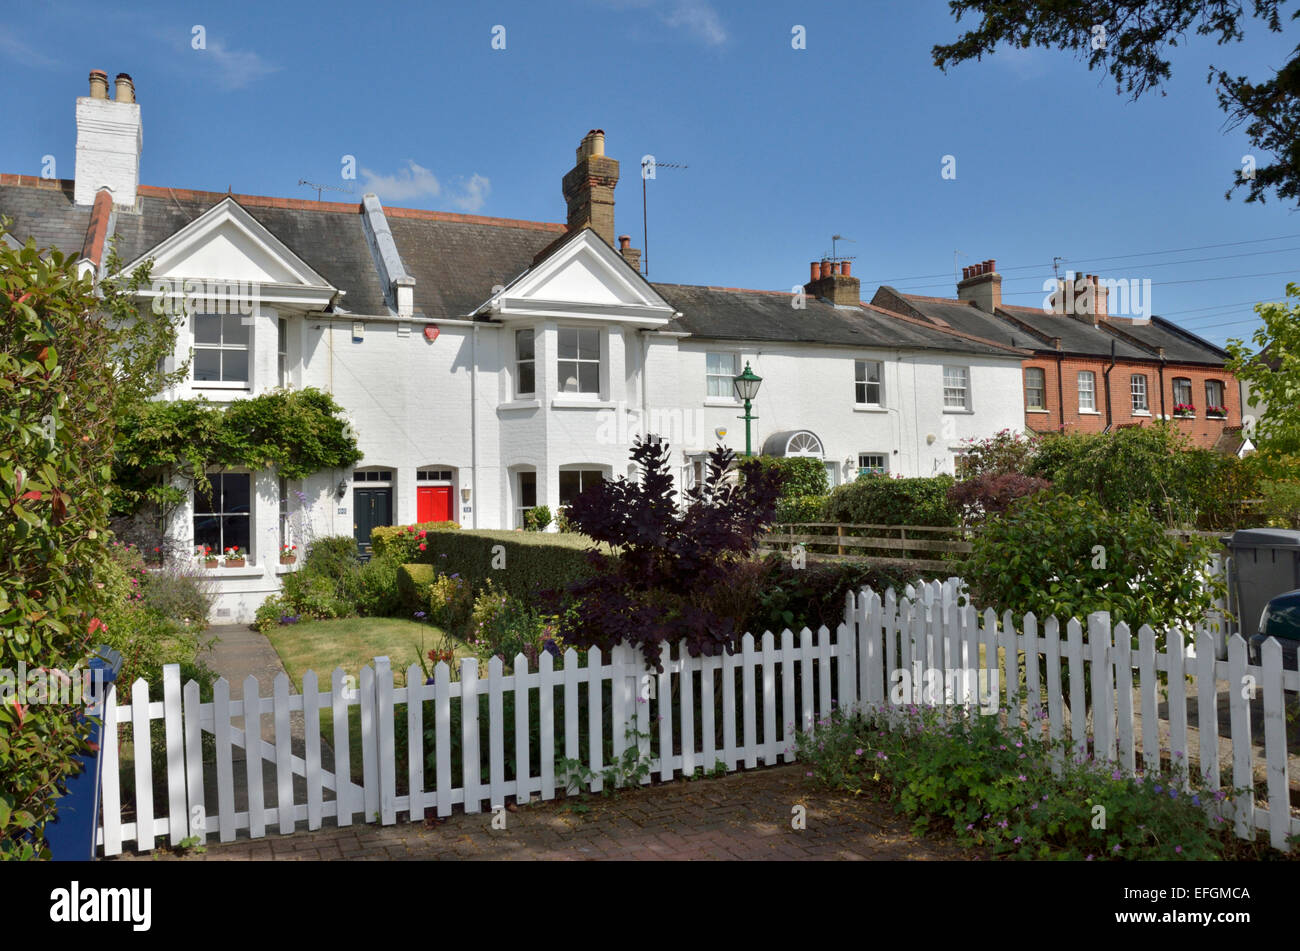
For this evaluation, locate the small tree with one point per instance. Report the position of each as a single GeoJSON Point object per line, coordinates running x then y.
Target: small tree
{"type": "Point", "coordinates": [671, 570]}
{"type": "Point", "coordinates": [1273, 372]}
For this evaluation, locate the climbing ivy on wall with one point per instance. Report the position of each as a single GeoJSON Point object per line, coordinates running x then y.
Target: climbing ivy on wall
{"type": "Point", "coordinates": [298, 432]}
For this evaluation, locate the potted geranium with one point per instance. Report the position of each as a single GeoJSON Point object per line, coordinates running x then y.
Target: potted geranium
{"type": "Point", "coordinates": [288, 554]}
{"type": "Point", "coordinates": [1184, 409]}
{"type": "Point", "coordinates": [1218, 412]}
{"type": "Point", "coordinates": [209, 560]}
{"type": "Point", "coordinates": [235, 557]}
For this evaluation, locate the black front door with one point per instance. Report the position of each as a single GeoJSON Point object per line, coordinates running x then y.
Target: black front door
{"type": "Point", "coordinates": [371, 508]}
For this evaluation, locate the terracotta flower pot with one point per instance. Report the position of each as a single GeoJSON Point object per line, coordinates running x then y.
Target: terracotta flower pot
{"type": "Point", "coordinates": [288, 559]}
{"type": "Point", "coordinates": [235, 563]}
{"type": "Point", "coordinates": [212, 563]}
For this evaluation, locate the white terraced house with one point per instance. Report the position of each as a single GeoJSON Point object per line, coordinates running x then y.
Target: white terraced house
{"type": "Point", "coordinates": [489, 365]}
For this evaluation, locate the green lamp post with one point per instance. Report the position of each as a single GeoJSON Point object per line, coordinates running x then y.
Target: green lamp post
{"type": "Point", "coordinates": [747, 385]}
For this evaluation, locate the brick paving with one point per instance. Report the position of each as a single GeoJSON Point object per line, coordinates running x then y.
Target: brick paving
{"type": "Point", "coordinates": [744, 816]}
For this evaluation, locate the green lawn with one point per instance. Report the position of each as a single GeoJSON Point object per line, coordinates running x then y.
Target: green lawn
{"type": "Point", "coordinates": [351, 643]}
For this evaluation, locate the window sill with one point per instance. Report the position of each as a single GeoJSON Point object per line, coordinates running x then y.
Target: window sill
{"type": "Point", "coordinates": [1089, 412]}
{"type": "Point", "coordinates": [521, 404]}
{"type": "Point", "coordinates": [248, 571]}
{"type": "Point", "coordinates": [959, 412]}
{"type": "Point", "coordinates": [561, 402]}
{"type": "Point", "coordinates": [869, 408]}
{"type": "Point", "coordinates": [282, 569]}
{"type": "Point", "coordinates": [220, 385]}
{"type": "Point", "coordinates": [1141, 412]}
{"type": "Point", "coordinates": [1042, 412]}
{"type": "Point", "coordinates": [722, 401]}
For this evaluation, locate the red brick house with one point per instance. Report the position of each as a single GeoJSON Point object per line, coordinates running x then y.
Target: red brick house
{"type": "Point", "coordinates": [1092, 371]}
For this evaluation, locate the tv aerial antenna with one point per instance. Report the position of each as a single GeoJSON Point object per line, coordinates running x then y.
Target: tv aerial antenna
{"type": "Point", "coordinates": [835, 256]}
{"type": "Point", "coordinates": [1057, 261]}
{"type": "Point", "coordinates": [320, 188]}
{"type": "Point", "coordinates": [654, 165]}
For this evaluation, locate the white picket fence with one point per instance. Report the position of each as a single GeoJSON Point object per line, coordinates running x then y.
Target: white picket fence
{"type": "Point", "coordinates": [739, 710]}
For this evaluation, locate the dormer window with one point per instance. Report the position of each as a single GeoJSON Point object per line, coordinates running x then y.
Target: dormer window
{"type": "Point", "coordinates": [220, 349]}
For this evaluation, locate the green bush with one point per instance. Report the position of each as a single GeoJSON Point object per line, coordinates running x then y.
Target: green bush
{"type": "Point", "coordinates": [315, 594]}
{"type": "Point", "coordinates": [403, 541]}
{"type": "Point", "coordinates": [177, 590]}
{"type": "Point", "coordinates": [332, 555]}
{"type": "Point", "coordinates": [521, 563]}
{"type": "Point", "coordinates": [1152, 467]}
{"type": "Point", "coordinates": [413, 586]}
{"type": "Point", "coordinates": [1053, 553]}
{"type": "Point", "coordinates": [814, 595]}
{"type": "Point", "coordinates": [377, 594]}
{"type": "Point", "coordinates": [451, 599]}
{"type": "Point", "coordinates": [798, 509]}
{"type": "Point", "coordinates": [994, 787]}
{"type": "Point", "coordinates": [537, 518]}
{"type": "Point", "coordinates": [882, 500]}
{"type": "Point", "coordinates": [800, 475]}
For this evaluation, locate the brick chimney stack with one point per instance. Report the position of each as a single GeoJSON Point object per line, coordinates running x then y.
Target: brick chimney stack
{"type": "Point", "coordinates": [833, 281]}
{"type": "Point", "coordinates": [982, 285]}
{"type": "Point", "coordinates": [630, 254]}
{"type": "Point", "coordinates": [589, 187]}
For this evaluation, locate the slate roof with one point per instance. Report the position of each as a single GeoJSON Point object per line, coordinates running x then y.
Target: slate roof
{"type": "Point", "coordinates": [329, 236]}
{"type": "Point", "coordinates": [723, 313]}
{"type": "Point", "coordinates": [1032, 328]}
{"type": "Point", "coordinates": [457, 263]}
{"type": "Point", "coordinates": [1077, 336]}
{"type": "Point", "coordinates": [44, 210]}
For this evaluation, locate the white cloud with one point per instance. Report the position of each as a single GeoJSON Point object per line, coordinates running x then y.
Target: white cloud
{"type": "Point", "coordinates": [415, 181]}
{"type": "Point", "coordinates": [696, 17]}
{"type": "Point", "coordinates": [473, 193]}
{"type": "Point", "coordinates": [699, 19]}
{"type": "Point", "coordinates": [14, 48]}
{"type": "Point", "coordinates": [237, 68]}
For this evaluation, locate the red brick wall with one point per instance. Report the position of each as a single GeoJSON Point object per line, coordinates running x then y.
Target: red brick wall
{"type": "Point", "coordinates": [1201, 430]}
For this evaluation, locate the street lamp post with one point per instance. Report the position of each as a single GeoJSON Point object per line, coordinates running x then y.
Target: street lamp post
{"type": "Point", "coordinates": [747, 385]}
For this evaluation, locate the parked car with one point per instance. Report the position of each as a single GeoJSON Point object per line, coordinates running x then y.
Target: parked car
{"type": "Point", "coordinates": [1280, 619]}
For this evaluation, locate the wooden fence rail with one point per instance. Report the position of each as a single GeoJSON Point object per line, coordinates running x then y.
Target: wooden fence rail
{"type": "Point", "coordinates": [479, 741]}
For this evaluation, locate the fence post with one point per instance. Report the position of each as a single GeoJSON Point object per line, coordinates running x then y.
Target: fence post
{"type": "Point", "coordinates": [839, 535]}
{"type": "Point", "coordinates": [1103, 686]}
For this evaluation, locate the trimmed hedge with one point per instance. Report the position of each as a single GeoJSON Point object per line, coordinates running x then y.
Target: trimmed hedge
{"type": "Point", "coordinates": [883, 500]}
{"type": "Point", "coordinates": [531, 562]}
{"type": "Point", "coordinates": [800, 475]}
{"type": "Point", "coordinates": [801, 508]}
{"type": "Point", "coordinates": [413, 585]}
{"type": "Point", "coordinates": [401, 539]}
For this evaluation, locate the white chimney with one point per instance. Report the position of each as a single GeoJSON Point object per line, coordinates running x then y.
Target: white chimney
{"type": "Point", "coordinates": [109, 139]}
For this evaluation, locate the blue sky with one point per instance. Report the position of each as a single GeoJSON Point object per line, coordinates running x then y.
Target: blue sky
{"type": "Point", "coordinates": [785, 147]}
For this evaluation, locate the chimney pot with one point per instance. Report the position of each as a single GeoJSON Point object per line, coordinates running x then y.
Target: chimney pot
{"type": "Point", "coordinates": [844, 269]}
{"type": "Point", "coordinates": [624, 242]}
{"type": "Point", "coordinates": [814, 272]}
{"type": "Point", "coordinates": [835, 267]}
{"type": "Point", "coordinates": [993, 265]}
{"type": "Point", "coordinates": [826, 269]}
{"type": "Point", "coordinates": [125, 91]}
{"type": "Point", "coordinates": [98, 84]}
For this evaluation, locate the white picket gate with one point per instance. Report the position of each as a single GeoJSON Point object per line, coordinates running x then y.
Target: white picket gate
{"type": "Point", "coordinates": [774, 686]}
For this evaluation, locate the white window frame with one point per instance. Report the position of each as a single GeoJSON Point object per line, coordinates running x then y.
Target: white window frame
{"type": "Point", "coordinates": [1090, 391]}
{"type": "Point", "coordinates": [1139, 400]}
{"type": "Point", "coordinates": [950, 390]}
{"type": "Point", "coordinates": [221, 514]}
{"type": "Point", "coordinates": [520, 508]}
{"type": "Point", "coordinates": [1221, 401]}
{"type": "Point", "coordinates": [728, 387]}
{"type": "Point", "coordinates": [862, 383]}
{"type": "Point", "coordinates": [520, 392]}
{"type": "Point", "coordinates": [282, 348]}
{"type": "Point", "coordinates": [1191, 399]}
{"type": "Point", "coordinates": [221, 347]}
{"type": "Point", "coordinates": [864, 468]}
{"type": "Point", "coordinates": [1041, 388]}
{"type": "Point", "coordinates": [577, 363]}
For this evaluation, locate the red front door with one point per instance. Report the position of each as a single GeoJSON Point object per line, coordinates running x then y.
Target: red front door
{"type": "Point", "coordinates": [433, 503]}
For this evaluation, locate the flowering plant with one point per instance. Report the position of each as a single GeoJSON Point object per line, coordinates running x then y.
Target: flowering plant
{"type": "Point", "coordinates": [234, 554]}
{"type": "Point", "coordinates": [1184, 409]}
{"type": "Point", "coordinates": [288, 550]}
{"type": "Point", "coordinates": [1215, 411]}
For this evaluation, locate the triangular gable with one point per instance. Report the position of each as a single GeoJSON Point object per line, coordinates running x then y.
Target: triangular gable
{"type": "Point", "coordinates": [581, 276]}
{"type": "Point", "coordinates": [227, 244]}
